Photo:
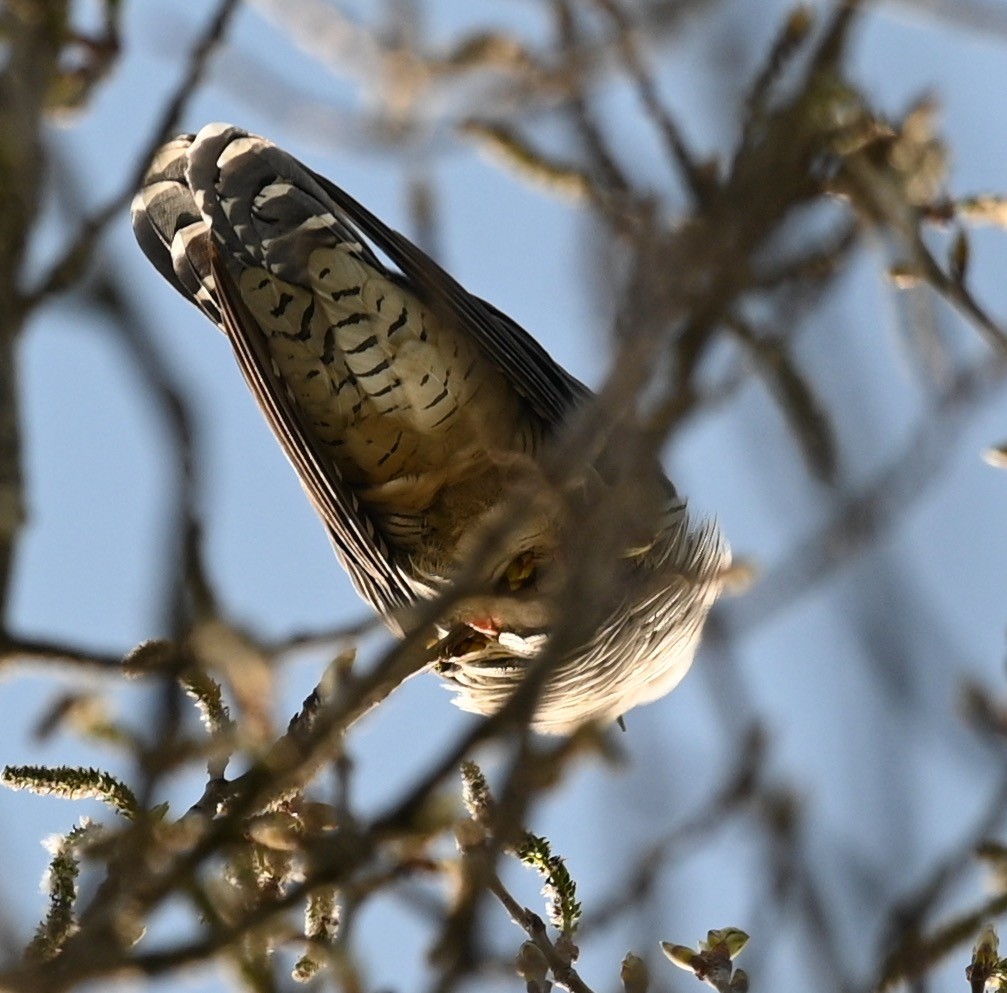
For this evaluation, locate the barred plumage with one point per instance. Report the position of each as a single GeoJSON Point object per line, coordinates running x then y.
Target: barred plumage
{"type": "Point", "coordinates": [415, 415]}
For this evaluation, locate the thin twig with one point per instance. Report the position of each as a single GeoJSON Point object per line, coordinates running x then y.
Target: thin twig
{"type": "Point", "coordinates": [69, 267]}
{"type": "Point", "coordinates": [533, 925]}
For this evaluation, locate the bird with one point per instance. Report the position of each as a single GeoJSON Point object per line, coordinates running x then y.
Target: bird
{"type": "Point", "coordinates": [424, 425]}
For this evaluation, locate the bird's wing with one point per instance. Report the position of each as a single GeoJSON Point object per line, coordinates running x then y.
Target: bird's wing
{"type": "Point", "coordinates": [183, 230]}
{"type": "Point", "coordinates": [549, 389]}
{"type": "Point", "coordinates": [363, 551]}
{"type": "Point", "coordinates": [170, 229]}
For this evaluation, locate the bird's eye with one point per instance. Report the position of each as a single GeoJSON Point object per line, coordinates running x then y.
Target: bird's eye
{"type": "Point", "coordinates": [473, 642]}
{"type": "Point", "coordinates": [520, 572]}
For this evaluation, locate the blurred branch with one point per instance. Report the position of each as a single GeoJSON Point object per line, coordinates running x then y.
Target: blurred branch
{"type": "Point", "coordinates": [17, 651]}
{"type": "Point", "coordinates": [34, 38]}
{"type": "Point", "coordinates": [698, 176]}
{"type": "Point", "coordinates": [504, 142]}
{"type": "Point", "coordinates": [188, 595]}
{"type": "Point", "coordinates": [908, 951]}
{"type": "Point", "coordinates": [601, 158]}
{"type": "Point", "coordinates": [740, 790]}
{"type": "Point", "coordinates": [864, 516]}
{"type": "Point", "coordinates": [979, 15]}
{"type": "Point", "coordinates": [808, 420]}
{"type": "Point", "coordinates": [78, 256]}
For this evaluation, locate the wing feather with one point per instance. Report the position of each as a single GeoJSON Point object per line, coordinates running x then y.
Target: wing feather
{"type": "Point", "coordinates": [362, 550]}
{"type": "Point", "coordinates": [185, 242]}
{"type": "Point", "coordinates": [533, 373]}
{"type": "Point", "coordinates": [549, 389]}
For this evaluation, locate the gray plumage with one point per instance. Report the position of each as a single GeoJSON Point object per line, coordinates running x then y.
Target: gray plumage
{"type": "Point", "coordinates": [418, 417]}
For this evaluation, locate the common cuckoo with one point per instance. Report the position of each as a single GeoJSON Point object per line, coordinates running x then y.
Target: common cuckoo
{"type": "Point", "coordinates": [420, 420]}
